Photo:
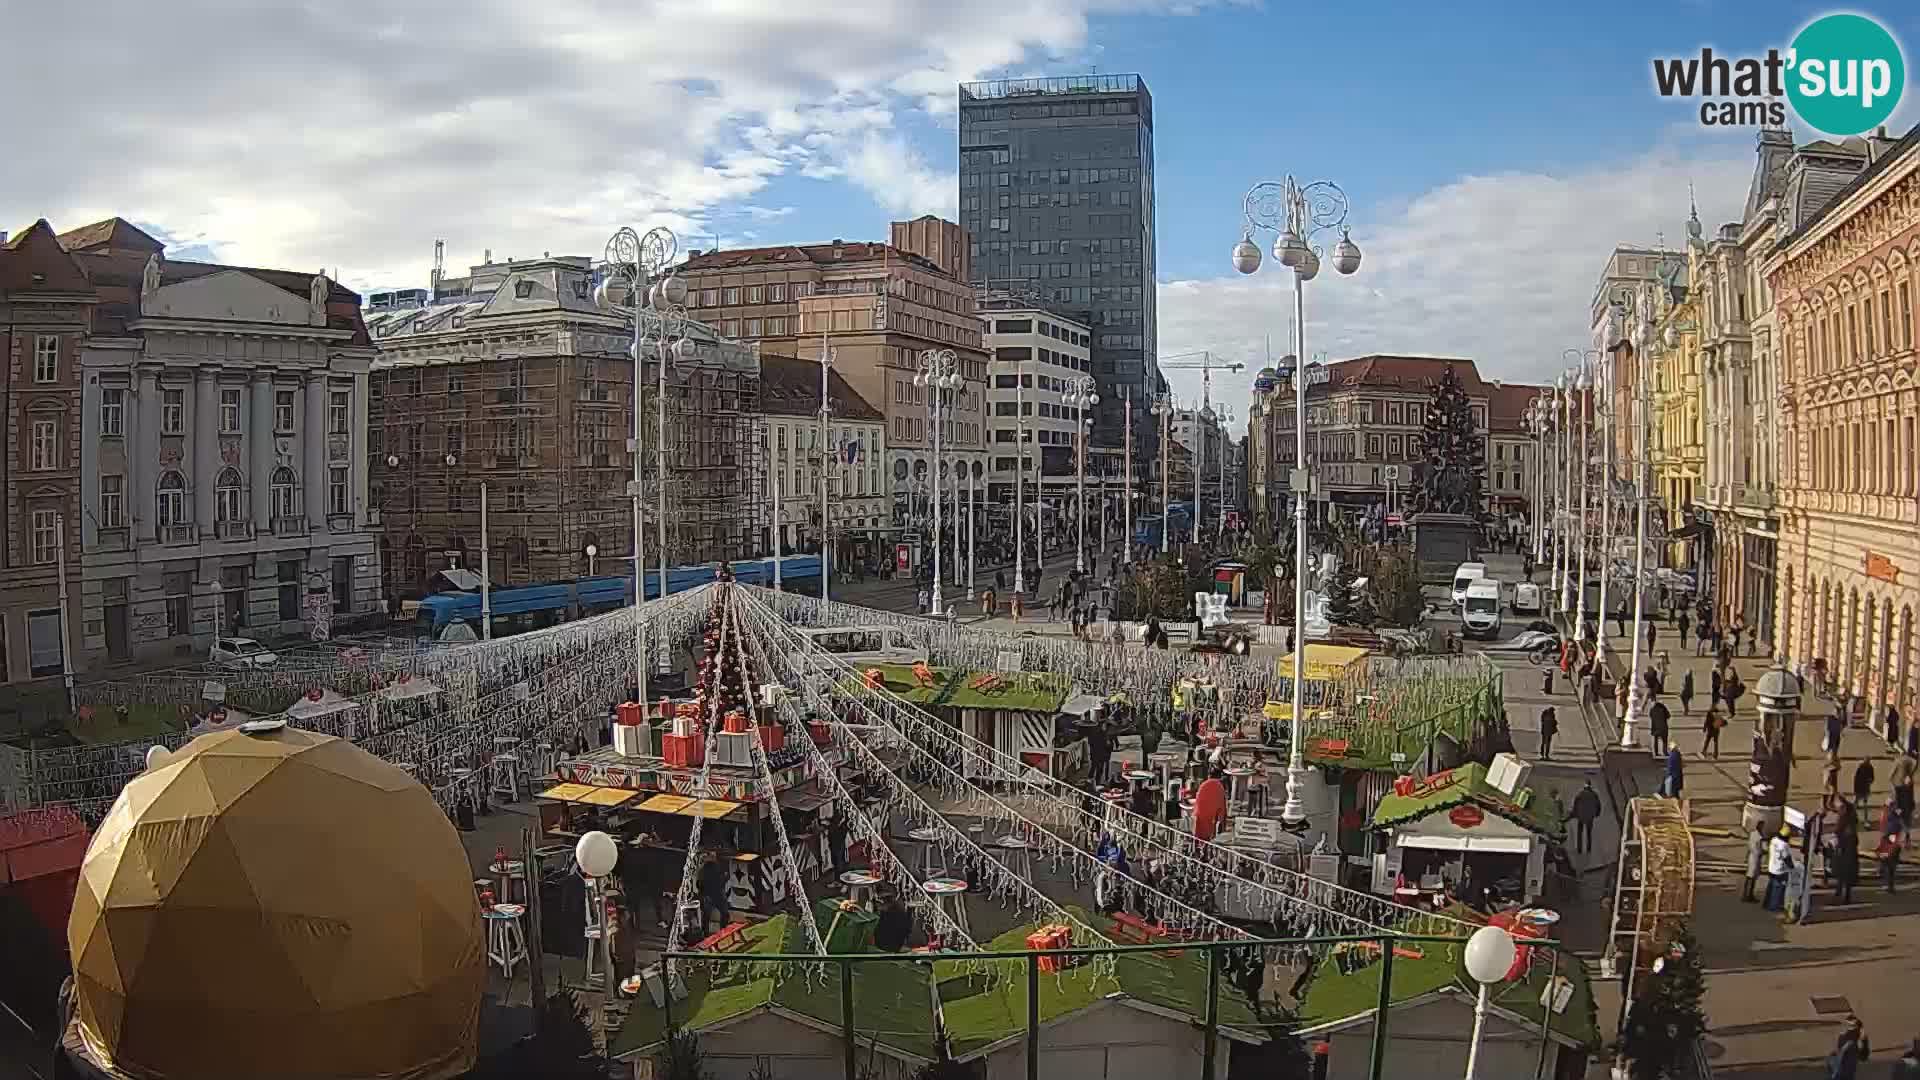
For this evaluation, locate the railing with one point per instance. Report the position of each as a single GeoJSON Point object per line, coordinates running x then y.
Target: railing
{"type": "Point", "coordinates": [1547, 953]}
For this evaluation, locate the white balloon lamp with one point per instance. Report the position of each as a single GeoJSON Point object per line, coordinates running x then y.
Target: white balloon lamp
{"type": "Point", "coordinates": [1490, 955]}
{"type": "Point", "coordinates": [157, 757]}
{"type": "Point", "coordinates": [596, 853]}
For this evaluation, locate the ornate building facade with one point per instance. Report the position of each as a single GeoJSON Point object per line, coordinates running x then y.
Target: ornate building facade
{"type": "Point", "coordinates": [1843, 281]}
{"type": "Point", "coordinates": [1675, 439]}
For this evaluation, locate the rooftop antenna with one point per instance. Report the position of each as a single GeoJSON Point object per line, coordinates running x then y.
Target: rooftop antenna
{"type": "Point", "coordinates": [439, 260]}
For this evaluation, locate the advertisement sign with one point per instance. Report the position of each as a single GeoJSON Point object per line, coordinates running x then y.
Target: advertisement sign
{"type": "Point", "coordinates": [902, 560]}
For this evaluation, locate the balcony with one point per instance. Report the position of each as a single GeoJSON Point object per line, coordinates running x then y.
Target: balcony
{"type": "Point", "coordinates": [177, 534]}
{"type": "Point", "coordinates": [290, 526]}
{"type": "Point", "coordinates": [234, 530]}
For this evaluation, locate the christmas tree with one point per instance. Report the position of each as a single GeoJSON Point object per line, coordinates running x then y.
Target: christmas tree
{"type": "Point", "coordinates": [1340, 607]}
{"type": "Point", "coordinates": [1452, 472]}
{"type": "Point", "coordinates": [1666, 1017]}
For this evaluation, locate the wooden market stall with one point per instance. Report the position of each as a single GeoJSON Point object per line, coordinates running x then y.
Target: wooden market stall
{"type": "Point", "coordinates": [1019, 713]}
{"type": "Point", "coordinates": [1462, 832]}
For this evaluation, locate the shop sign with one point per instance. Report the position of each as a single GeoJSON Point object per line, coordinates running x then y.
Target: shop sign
{"type": "Point", "coordinates": [1466, 817]}
{"type": "Point", "coordinates": [901, 559]}
{"type": "Point", "coordinates": [1881, 568]}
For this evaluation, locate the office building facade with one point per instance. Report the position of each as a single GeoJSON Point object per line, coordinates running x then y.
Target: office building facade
{"type": "Point", "coordinates": [1057, 194]}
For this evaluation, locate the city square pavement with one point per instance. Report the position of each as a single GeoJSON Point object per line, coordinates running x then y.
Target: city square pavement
{"type": "Point", "coordinates": [1776, 992]}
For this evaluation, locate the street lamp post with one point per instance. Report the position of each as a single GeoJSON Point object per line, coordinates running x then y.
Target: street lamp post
{"type": "Point", "coordinates": [635, 274]}
{"type": "Point", "coordinates": [1563, 517]}
{"type": "Point", "coordinates": [1080, 397]}
{"type": "Point", "coordinates": [779, 470]}
{"type": "Point", "coordinates": [593, 552]}
{"type": "Point", "coordinates": [1490, 954]}
{"type": "Point", "coordinates": [1020, 481]}
{"type": "Point", "coordinates": [1226, 422]}
{"type": "Point", "coordinates": [936, 374]}
{"type": "Point", "coordinates": [1126, 482]}
{"type": "Point", "coordinates": [827, 356]}
{"type": "Point", "coordinates": [1583, 384]}
{"type": "Point", "coordinates": [1296, 214]}
{"type": "Point", "coordinates": [1636, 693]}
{"type": "Point", "coordinates": [1162, 409]}
{"type": "Point", "coordinates": [974, 486]}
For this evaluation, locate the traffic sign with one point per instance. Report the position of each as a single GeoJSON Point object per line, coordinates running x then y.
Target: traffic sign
{"type": "Point", "coordinates": [1394, 519]}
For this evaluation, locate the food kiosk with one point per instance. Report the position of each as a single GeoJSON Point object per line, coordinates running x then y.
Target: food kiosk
{"type": "Point", "coordinates": [1465, 828]}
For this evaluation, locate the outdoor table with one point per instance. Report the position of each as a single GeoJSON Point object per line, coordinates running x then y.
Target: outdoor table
{"type": "Point", "coordinates": [1237, 777]}
{"type": "Point", "coordinates": [860, 885]}
{"type": "Point", "coordinates": [933, 859]}
{"type": "Point", "coordinates": [504, 875]}
{"type": "Point", "coordinates": [949, 895]}
{"type": "Point", "coordinates": [1018, 857]}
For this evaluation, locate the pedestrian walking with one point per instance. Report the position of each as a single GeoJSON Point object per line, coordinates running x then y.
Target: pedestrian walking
{"type": "Point", "coordinates": [1863, 777]}
{"type": "Point", "coordinates": [1913, 739]}
{"type": "Point", "coordinates": [1893, 728]}
{"type": "Point", "coordinates": [1779, 865]}
{"type": "Point", "coordinates": [1620, 621]}
{"type": "Point", "coordinates": [1549, 727]}
{"type": "Point", "coordinates": [1703, 633]}
{"type": "Point", "coordinates": [1675, 784]}
{"type": "Point", "coordinates": [988, 599]}
{"type": "Point", "coordinates": [1756, 859]}
{"type": "Point", "coordinates": [1682, 625]}
{"type": "Point", "coordinates": [1844, 859]}
{"type": "Point", "coordinates": [1657, 718]}
{"type": "Point", "coordinates": [1893, 837]}
{"type": "Point", "coordinates": [1908, 1067]}
{"type": "Point", "coordinates": [1586, 810]}
{"type": "Point", "coordinates": [1710, 727]}
{"type": "Point", "coordinates": [1713, 687]}
{"type": "Point", "coordinates": [1902, 781]}
{"type": "Point", "coordinates": [1736, 686]}
{"type": "Point", "coordinates": [1734, 632]}
{"type": "Point", "coordinates": [1849, 1051]}
{"type": "Point", "coordinates": [1686, 692]}
{"type": "Point", "coordinates": [1653, 630]}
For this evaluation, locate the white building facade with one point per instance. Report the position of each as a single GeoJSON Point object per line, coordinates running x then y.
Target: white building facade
{"type": "Point", "coordinates": [224, 418]}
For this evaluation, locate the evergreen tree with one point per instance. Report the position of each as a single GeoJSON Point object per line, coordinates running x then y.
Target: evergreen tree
{"type": "Point", "coordinates": [684, 1058]}
{"type": "Point", "coordinates": [1393, 589]}
{"type": "Point", "coordinates": [1453, 466]}
{"type": "Point", "coordinates": [1667, 1017]}
{"type": "Point", "coordinates": [1340, 607]}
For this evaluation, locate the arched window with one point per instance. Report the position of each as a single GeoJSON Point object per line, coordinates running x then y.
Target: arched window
{"type": "Point", "coordinates": [172, 508]}
{"type": "Point", "coordinates": [229, 499]}
{"type": "Point", "coordinates": [281, 488]}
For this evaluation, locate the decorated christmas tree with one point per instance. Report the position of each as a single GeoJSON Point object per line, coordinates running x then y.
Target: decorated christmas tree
{"type": "Point", "coordinates": [1452, 472]}
{"type": "Point", "coordinates": [1340, 606]}
{"type": "Point", "coordinates": [1666, 1016]}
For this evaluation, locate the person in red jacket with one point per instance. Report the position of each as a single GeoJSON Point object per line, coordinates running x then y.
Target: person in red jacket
{"type": "Point", "coordinates": [1209, 806]}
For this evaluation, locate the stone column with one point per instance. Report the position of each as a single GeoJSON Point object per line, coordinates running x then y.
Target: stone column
{"type": "Point", "coordinates": [313, 437]}
{"type": "Point", "coordinates": [143, 455]}
{"type": "Point", "coordinates": [260, 448]}
{"type": "Point", "coordinates": [358, 464]}
{"type": "Point", "coordinates": [206, 449]}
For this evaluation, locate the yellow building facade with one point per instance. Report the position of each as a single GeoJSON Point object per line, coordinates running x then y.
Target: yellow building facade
{"type": "Point", "coordinates": [1677, 438]}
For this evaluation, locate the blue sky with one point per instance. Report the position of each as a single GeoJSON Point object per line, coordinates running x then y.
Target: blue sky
{"type": "Point", "coordinates": [1493, 153]}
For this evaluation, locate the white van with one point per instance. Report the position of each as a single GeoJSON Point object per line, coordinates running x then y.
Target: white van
{"type": "Point", "coordinates": [1526, 598]}
{"type": "Point", "coordinates": [1467, 574]}
{"type": "Point", "coordinates": [1480, 615]}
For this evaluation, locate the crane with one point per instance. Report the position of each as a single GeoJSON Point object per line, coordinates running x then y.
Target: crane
{"type": "Point", "coordinates": [1206, 365]}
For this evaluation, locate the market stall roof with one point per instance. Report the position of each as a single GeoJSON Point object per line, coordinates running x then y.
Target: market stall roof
{"type": "Point", "coordinates": [1081, 704]}
{"type": "Point", "coordinates": [1467, 785]}
{"type": "Point", "coordinates": [1335, 999]}
{"type": "Point", "coordinates": [687, 806]}
{"type": "Point", "coordinates": [565, 792]}
{"type": "Point", "coordinates": [1324, 661]}
{"type": "Point", "coordinates": [320, 701]}
{"type": "Point", "coordinates": [1019, 691]}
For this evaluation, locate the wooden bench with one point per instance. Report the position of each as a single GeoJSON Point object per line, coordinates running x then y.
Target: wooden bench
{"type": "Point", "coordinates": [728, 938]}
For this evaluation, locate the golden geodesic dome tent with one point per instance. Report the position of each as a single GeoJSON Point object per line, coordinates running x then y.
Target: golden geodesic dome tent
{"type": "Point", "coordinates": [276, 903]}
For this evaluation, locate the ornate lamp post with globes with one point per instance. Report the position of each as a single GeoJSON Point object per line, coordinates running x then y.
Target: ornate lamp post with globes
{"type": "Point", "coordinates": [1296, 213]}
{"type": "Point", "coordinates": [937, 373]}
{"type": "Point", "coordinates": [636, 281]}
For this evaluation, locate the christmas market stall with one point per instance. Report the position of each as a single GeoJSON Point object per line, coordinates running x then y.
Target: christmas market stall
{"type": "Point", "coordinates": [1021, 713]}
{"type": "Point", "coordinates": [1471, 833]}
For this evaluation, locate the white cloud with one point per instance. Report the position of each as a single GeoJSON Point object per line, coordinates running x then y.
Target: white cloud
{"type": "Point", "coordinates": [355, 133]}
{"type": "Point", "coordinates": [1498, 268]}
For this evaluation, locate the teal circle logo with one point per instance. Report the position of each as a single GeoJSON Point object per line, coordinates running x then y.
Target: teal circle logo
{"type": "Point", "coordinates": [1846, 74]}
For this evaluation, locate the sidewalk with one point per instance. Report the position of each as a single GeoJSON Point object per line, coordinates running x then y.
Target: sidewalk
{"type": "Point", "coordinates": [1777, 993]}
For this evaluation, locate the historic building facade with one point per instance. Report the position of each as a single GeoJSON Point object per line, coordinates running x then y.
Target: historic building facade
{"type": "Point", "coordinates": [850, 463]}
{"type": "Point", "coordinates": [222, 452]}
{"type": "Point", "coordinates": [46, 307]}
{"type": "Point", "coordinates": [1675, 442]}
{"type": "Point", "coordinates": [1843, 282]}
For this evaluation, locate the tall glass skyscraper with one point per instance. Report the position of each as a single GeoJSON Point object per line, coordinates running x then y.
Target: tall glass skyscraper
{"type": "Point", "coordinates": [1056, 190]}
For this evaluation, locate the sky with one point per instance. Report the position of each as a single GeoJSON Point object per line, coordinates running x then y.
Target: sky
{"type": "Point", "coordinates": [1493, 154]}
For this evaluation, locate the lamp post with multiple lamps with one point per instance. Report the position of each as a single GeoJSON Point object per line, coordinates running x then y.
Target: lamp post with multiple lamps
{"type": "Point", "coordinates": [1535, 420]}
{"type": "Point", "coordinates": [937, 374]}
{"type": "Point", "coordinates": [1646, 342]}
{"type": "Point", "coordinates": [1226, 425]}
{"type": "Point", "coordinates": [1020, 481]}
{"type": "Point", "coordinates": [636, 281]}
{"type": "Point", "coordinates": [1162, 409]}
{"type": "Point", "coordinates": [1296, 213]}
{"type": "Point", "coordinates": [1080, 397]}
{"type": "Point", "coordinates": [1582, 383]}
{"type": "Point", "coordinates": [827, 463]}
{"type": "Point", "coordinates": [1563, 517]}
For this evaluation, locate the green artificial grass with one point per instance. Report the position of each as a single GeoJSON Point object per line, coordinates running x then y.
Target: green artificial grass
{"type": "Point", "coordinates": [1021, 691]}
{"type": "Point", "coordinates": [144, 721]}
{"type": "Point", "coordinates": [1530, 808]}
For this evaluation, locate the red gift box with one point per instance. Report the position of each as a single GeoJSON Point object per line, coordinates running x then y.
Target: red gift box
{"type": "Point", "coordinates": [683, 751]}
{"type": "Point", "coordinates": [821, 736]}
{"type": "Point", "coordinates": [628, 713]}
{"type": "Point", "coordinates": [772, 737]}
{"type": "Point", "coordinates": [736, 723]}
{"type": "Point", "coordinates": [1050, 937]}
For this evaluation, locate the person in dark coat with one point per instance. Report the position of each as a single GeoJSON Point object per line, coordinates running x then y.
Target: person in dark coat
{"type": "Point", "coordinates": [1099, 753]}
{"type": "Point", "coordinates": [1863, 778]}
{"type": "Point", "coordinates": [1846, 853]}
{"type": "Point", "coordinates": [1686, 693]}
{"type": "Point", "coordinates": [1657, 718]}
{"type": "Point", "coordinates": [1683, 624]}
{"type": "Point", "coordinates": [1851, 1049]}
{"type": "Point", "coordinates": [1893, 729]}
{"type": "Point", "coordinates": [1549, 727]}
{"type": "Point", "coordinates": [895, 925]}
{"type": "Point", "coordinates": [713, 893]}
{"type": "Point", "coordinates": [1676, 782]}
{"type": "Point", "coordinates": [1710, 726]}
{"type": "Point", "coordinates": [1585, 811]}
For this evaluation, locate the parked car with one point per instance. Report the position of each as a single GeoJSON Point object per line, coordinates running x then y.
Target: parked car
{"type": "Point", "coordinates": [242, 652]}
{"type": "Point", "coordinates": [1526, 598]}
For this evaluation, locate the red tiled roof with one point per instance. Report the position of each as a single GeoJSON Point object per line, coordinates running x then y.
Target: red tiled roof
{"type": "Point", "coordinates": [1403, 373]}
{"type": "Point", "coordinates": [34, 261]}
{"type": "Point", "coordinates": [1508, 403]}
{"type": "Point", "coordinates": [115, 233]}
{"type": "Point", "coordinates": [791, 387]}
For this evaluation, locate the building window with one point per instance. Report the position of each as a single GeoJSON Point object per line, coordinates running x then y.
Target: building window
{"type": "Point", "coordinates": [45, 536]}
{"type": "Point", "coordinates": [173, 412]}
{"type": "Point", "coordinates": [753, 294]}
{"type": "Point", "coordinates": [233, 595]}
{"type": "Point", "coordinates": [287, 575]}
{"type": "Point", "coordinates": [337, 491]}
{"type": "Point", "coordinates": [709, 297]}
{"type": "Point", "coordinates": [46, 358]}
{"type": "Point", "coordinates": [113, 410]}
{"type": "Point", "coordinates": [283, 412]}
{"type": "Point", "coordinates": [229, 412]}
{"type": "Point", "coordinates": [343, 584]}
{"type": "Point", "coordinates": [281, 488]}
{"type": "Point", "coordinates": [522, 289]}
{"type": "Point", "coordinates": [339, 410]}
{"type": "Point", "coordinates": [44, 449]}
{"type": "Point", "coordinates": [730, 296]}
{"type": "Point", "coordinates": [753, 327]}
{"type": "Point", "coordinates": [178, 587]}
{"type": "Point", "coordinates": [229, 497]}
{"type": "Point", "coordinates": [113, 502]}
{"type": "Point", "coordinates": [776, 294]}
{"type": "Point", "coordinates": [44, 656]}
{"type": "Point", "coordinates": [172, 499]}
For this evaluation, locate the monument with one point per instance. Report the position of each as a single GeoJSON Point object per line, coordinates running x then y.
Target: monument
{"type": "Point", "coordinates": [1448, 480]}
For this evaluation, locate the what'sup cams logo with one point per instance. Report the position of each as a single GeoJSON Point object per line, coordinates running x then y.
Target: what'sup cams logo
{"type": "Point", "coordinates": [1843, 75]}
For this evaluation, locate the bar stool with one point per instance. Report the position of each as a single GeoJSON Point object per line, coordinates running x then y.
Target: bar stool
{"type": "Point", "coordinates": [950, 896]}
{"type": "Point", "coordinates": [463, 799]}
{"type": "Point", "coordinates": [506, 942]}
{"type": "Point", "coordinates": [933, 857]}
{"type": "Point", "coordinates": [505, 769]}
{"type": "Point", "coordinates": [1239, 782]}
{"type": "Point", "coordinates": [543, 760]}
{"type": "Point", "coordinates": [511, 876]}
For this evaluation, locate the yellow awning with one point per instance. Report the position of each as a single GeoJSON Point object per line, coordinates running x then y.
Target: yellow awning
{"type": "Point", "coordinates": [606, 796]}
{"type": "Point", "coordinates": [1283, 710]}
{"type": "Point", "coordinates": [666, 804]}
{"type": "Point", "coordinates": [1324, 661]}
{"type": "Point", "coordinates": [711, 808]}
{"type": "Point", "coordinates": [566, 792]}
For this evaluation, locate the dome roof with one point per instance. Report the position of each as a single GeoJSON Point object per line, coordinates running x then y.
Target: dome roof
{"type": "Point", "coordinates": [280, 904]}
{"type": "Point", "coordinates": [1777, 684]}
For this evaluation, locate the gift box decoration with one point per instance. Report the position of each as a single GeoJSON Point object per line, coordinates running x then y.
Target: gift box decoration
{"type": "Point", "coordinates": [627, 713]}
{"type": "Point", "coordinates": [733, 748]}
{"type": "Point", "coordinates": [1050, 937]}
{"type": "Point", "coordinates": [773, 737]}
{"type": "Point", "coordinates": [736, 723]}
{"type": "Point", "coordinates": [821, 735]}
{"type": "Point", "coordinates": [684, 751]}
